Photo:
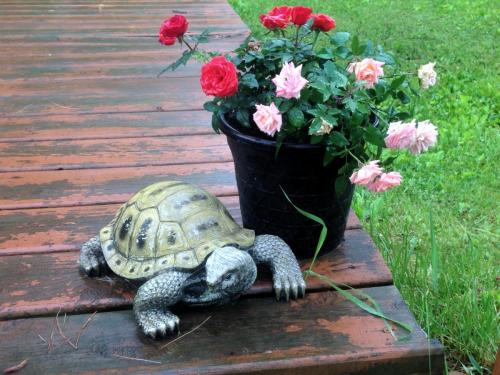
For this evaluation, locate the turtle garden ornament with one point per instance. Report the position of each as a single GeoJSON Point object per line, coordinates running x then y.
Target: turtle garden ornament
{"type": "Point", "coordinates": [183, 243]}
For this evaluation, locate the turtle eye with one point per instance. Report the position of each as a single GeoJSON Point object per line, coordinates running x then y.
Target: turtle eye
{"type": "Point", "coordinates": [228, 277]}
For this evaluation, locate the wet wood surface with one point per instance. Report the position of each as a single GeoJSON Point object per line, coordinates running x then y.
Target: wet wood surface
{"type": "Point", "coordinates": [323, 334]}
{"type": "Point", "coordinates": [85, 123]}
{"type": "Point", "coordinates": [46, 282]}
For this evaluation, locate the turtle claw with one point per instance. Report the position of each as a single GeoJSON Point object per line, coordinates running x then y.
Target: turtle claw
{"type": "Point", "coordinates": [277, 290]}
{"type": "Point", "coordinates": [289, 286]}
{"type": "Point", "coordinates": [157, 324]}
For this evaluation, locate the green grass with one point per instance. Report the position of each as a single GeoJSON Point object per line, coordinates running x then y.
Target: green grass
{"type": "Point", "coordinates": [450, 283]}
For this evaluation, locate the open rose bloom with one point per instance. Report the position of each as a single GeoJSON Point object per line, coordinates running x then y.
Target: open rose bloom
{"type": "Point", "coordinates": [306, 83]}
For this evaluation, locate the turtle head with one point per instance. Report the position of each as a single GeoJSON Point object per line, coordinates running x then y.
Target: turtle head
{"type": "Point", "coordinates": [230, 270]}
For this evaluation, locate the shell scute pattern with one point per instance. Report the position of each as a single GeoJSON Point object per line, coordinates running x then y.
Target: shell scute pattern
{"type": "Point", "coordinates": [168, 224]}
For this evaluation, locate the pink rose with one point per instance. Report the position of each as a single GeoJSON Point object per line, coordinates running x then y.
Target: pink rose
{"type": "Point", "coordinates": [385, 181]}
{"type": "Point", "coordinates": [426, 136]}
{"type": "Point", "coordinates": [268, 118]}
{"type": "Point", "coordinates": [367, 174]}
{"type": "Point", "coordinates": [367, 70]}
{"type": "Point", "coordinates": [290, 81]}
{"type": "Point", "coordinates": [401, 135]}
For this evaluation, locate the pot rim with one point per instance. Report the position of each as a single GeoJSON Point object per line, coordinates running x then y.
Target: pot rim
{"type": "Point", "coordinates": [230, 131]}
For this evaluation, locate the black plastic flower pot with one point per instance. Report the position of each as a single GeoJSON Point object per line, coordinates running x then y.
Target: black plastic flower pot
{"type": "Point", "coordinates": [299, 170]}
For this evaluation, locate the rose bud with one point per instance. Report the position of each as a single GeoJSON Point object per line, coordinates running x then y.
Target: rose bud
{"type": "Point", "coordinates": [253, 45]}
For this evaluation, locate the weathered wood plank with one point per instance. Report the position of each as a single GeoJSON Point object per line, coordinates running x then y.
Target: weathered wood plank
{"type": "Point", "coordinates": [323, 334]}
{"type": "Point", "coordinates": [64, 61]}
{"type": "Point", "coordinates": [100, 96]}
{"type": "Point", "coordinates": [112, 153]}
{"type": "Point", "coordinates": [106, 185]}
{"type": "Point", "coordinates": [97, 48]}
{"type": "Point", "coordinates": [43, 283]}
{"type": "Point", "coordinates": [66, 228]}
{"type": "Point", "coordinates": [105, 126]}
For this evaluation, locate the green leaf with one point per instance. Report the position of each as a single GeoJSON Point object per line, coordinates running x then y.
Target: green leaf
{"type": "Point", "coordinates": [325, 53]}
{"type": "Point", "coordinates": [337, 139]}
{"type": "Point", "coordinates": [343, 52]}
{"type": "Point", "coordinates": [368, 49]}
{"type": "Point", "coordinates": [183, 60]}
{"type": "Point", "coordinates": [340, 38]}
{"type": "Point", "coordinates": [386, 58]}
{"type": "Point", "coordinates": [403, 115]}
{"type": "Point", "coordinates": [203, 37]}
{"type": "Point", "coordinates": [315, 139]}
{"type": "Point", "coordinates": [350, 104]}
{"type": "Point", "coordinates": [285, 106]}
{"type": "Point", "coordinates": [315, 126]}
{"type": "Point", "coordinates": [250, 81]}
{"type": "Point", "coordinates": [341, 185]}
{"type": "Point", "coordinates": [210, 107]}
{"type": "Point", "coordinates": [374, 136]}
{"type": "Point", "coordinates": [242, 117]}
{"type": "Point", "coordinates": [355, 47]}
{"type": "Point", "coordinates": [397, 82]}
{"type": "Point", "coordinates": [216, 123]}
{"type": "Point", "coordinates": [403, 98]}
{"type": "Point", "coordinates": [322, 88]}
{"type": "Point", "coordinates": [295, 117]}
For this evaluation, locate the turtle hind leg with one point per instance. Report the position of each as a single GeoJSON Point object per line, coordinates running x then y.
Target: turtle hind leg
{"type": "Point", "coordinates": [153, 299]}
{"type": "Point", "coordinates": [92, 259]}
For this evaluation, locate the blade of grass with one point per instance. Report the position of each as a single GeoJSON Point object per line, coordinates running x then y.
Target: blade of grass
{"type": "Point", "coordinates": [324, 230]}
{"type": "Point", "coordinates": [376, 311]}
{"type": "Point", "coordinates": [350, 297]}
{"type": "Point", "coordinates": [434, 254]}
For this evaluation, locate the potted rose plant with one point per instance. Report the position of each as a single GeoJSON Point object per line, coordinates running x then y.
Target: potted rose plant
{"type": "Point", "coordinates": [308, 112]}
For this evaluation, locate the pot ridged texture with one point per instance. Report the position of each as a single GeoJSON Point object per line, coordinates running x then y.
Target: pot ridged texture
{"type": "Point", "coordinates": [169, 224]}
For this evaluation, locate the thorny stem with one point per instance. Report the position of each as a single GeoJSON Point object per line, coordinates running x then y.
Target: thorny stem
{"type": "Point", "coordinates": [354, 156]}
{"type": "Point", "coordinates": [188, 45]}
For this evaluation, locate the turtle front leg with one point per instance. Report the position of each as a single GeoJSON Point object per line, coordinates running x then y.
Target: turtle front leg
{"type": "Point", "coordinates": [152, 301]}
{"type": "Point", "coordinates": [92, 259]}
{"type": "Point", "coordinates": [287, 277]}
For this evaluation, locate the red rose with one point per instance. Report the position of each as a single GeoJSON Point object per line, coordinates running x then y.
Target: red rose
{"type": "Point", "coordinates": [300, 15]}
{"type": "Point", "coordinates": [219, 78]}
{"type": "Point", "coordinates": [174, 27]}
{"type": "Point", "coordinates": [323, 22]}
{"type": "Point", "coordinates": [166, 40]}
{"type": "Point", "coordinates": [278, 17]}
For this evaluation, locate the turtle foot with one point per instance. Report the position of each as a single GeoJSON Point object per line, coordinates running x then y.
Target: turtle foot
{"type": "Point", "coordinates": [291, 285]}
{"type": "Point", "coordinates": [157, 324]}
{"type": "Point", "coordinates": [92, 260]}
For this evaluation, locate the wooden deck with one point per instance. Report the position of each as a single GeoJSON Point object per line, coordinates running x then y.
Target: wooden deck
{"type": "Point", "coordinates": [84, 123]}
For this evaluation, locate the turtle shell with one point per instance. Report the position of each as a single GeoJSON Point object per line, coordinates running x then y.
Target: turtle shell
{"type": "Point", "coordinates": [168, 224]}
